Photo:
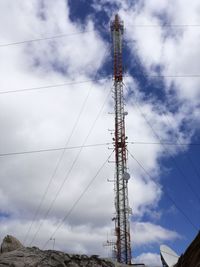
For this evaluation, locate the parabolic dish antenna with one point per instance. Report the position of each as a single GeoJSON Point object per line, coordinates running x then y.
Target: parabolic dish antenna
{"type": "Point", "coordinates": [168, 256]}
{"type": "Point", "coordinates": [126, 176]}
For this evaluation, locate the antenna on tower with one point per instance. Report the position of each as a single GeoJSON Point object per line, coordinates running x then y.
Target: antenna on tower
{"type": "Point", "coordinates": [122, 224]}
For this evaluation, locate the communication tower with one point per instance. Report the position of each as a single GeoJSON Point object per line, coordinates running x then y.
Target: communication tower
{"type": "Point", "coordinates": [122, 225]}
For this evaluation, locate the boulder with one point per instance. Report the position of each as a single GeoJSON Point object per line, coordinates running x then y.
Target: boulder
{"type": "Point", "coordinates": [10, 243]}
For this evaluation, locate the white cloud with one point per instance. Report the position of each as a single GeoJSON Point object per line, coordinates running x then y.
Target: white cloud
{"type": "Point", "coordinates": [72, 239]}
{"type": "Point", "coordinates": [146, 233]}
{"type": "Point", "coordinates": [150, 259]}
{"type": "Point", "coordinates": [169, 48]}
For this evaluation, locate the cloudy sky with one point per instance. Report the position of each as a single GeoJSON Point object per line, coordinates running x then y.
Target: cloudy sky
{"type": "Point", "coordinates": [55, 92]}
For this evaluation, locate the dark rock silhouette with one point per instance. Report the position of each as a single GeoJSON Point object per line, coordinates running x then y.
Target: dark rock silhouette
{"type": "Point", "coordinates": [191, 257]}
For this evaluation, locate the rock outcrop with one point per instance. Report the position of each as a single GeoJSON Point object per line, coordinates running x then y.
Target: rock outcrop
{"type": "Point", "coordinates": [14, 254]}
{"type": "Point", "coordinates": [191, 257]}
{"type": "Point", "coordinates": [34, 257]}
{"type": "Point", "coordinates": [10, 243]}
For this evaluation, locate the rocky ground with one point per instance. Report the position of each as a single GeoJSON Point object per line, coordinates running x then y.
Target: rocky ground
{"type": "Point", "coordinates": [13, 254]}
{"type": "Point", "coordinates": [35, 257]}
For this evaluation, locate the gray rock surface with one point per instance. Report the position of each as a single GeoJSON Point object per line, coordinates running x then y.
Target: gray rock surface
{"type": "Point", "coordinates": [10, 243]}
{"type": "Point", "coordinates": [14, 254]}
{"type": "Point", "coordinates": [34, 257]}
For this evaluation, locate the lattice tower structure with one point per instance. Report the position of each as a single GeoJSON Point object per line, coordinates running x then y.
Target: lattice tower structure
{"type": "Point", "coordinates": [122, 224]}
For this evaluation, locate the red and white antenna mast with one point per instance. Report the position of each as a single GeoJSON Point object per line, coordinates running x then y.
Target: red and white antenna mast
{"type": "Point", "coordinates": [122, 225]}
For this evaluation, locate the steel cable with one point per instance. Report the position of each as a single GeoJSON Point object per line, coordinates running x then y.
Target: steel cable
{"type": "Point", "coordinates": [77, 201]}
